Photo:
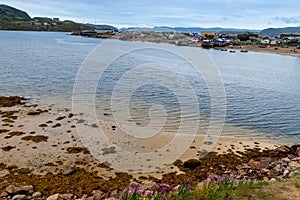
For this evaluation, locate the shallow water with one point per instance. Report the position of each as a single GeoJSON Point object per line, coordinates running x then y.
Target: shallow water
{"type": "Point", "coordinates": [262, 89]}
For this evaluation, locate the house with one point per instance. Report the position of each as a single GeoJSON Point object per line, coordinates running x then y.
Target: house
{"type": "Point", "coordinates": [266, 40]}
{"type": "Point", "coordinates": [207, 34]}
{"type": "Point", "coordinates": [171, 37]}
{"type": "Point", "coordinates": [36, 23]}
{"type": "Point", "coordinates": [195, 39]}
{"type": "Point", "coordinates": [220, 42]}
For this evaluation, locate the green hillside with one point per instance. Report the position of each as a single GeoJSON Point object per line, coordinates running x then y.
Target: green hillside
{"type": "Point", "coordinates": [14, 19]}
{"type": "Point", "coordinates": [8, 13]}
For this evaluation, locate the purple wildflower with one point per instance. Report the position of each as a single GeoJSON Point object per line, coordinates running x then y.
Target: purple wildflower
{"type": "Point", "coordinates": [137, 188]}
{"type": "Point", "coordinates": [213, 178]}
{"type": "Point", "coordinates": [250, 195]}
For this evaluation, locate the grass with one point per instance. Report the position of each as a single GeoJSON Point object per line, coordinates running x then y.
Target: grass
{"type": "Point", "coordinates": [221, 188]}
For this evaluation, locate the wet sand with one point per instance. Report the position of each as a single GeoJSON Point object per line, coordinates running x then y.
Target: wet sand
{"type": "Point", "coordinates": [33, 138]}
{"type": "Point", "coordinates": [45, 142]}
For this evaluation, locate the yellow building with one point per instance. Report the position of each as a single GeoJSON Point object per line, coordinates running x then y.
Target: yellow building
{"type": "Point", "coordinates": [208, 34]}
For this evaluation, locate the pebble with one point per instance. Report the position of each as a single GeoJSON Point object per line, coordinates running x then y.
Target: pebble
{"type": "Point", "coordinates": [4, 173]}
{"type": "Point", "coordinates": [26, 188]}
{"type": "Point", "coordinates": [19, 197]}
{"type": "Point", "coordinates": [3, 194]}
{"type": "Point", "coordinates": [55, 197]}
{"type": "Point", "coordinates": [68, 170]}
{"type": "Point", "coordinates": [36, 195]}
{"type": "Point", "coordinates": [11, 189]}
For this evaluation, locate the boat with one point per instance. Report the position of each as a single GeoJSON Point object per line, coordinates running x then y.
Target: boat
{"type": "Point", "coordinates": [232, 51]}
{"type": "Point", "coordinates": [244, 51]}
{"type": "Point", "coordinates": [223, 49]}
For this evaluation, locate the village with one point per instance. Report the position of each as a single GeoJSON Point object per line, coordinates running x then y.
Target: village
{"type": "Point", "coordinates": [285, 43]}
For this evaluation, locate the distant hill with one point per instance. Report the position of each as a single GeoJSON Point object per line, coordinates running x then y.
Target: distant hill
{"type": "Point", "coordinates": [14, 19]}
{"type": "Point", "coordinates": [191, 29]}
{"type": "Point", "coordinates": [8, 13]}
{"type": "Point", "coordinates": [279, 31]}
{"type": "Point", "coordinates": [102, 27]}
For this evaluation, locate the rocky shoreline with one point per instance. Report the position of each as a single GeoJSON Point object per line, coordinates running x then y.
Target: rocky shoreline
{"type": "Point", "coordinates": [44, 159]}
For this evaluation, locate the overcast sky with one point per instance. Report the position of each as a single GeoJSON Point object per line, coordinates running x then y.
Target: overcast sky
{"type": "Point", "coordinates": [254, 14]}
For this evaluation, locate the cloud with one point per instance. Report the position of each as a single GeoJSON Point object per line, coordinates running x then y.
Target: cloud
{"type": "Point", "coordinates": [288, 20]}
{"type": "Point", "coordinates": [254, 14]}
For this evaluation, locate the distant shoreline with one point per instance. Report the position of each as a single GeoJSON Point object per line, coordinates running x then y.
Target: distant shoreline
{"type": "Point", "coordinates": [289, 51]}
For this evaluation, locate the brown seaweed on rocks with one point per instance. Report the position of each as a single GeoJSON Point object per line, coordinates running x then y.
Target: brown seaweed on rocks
{"type": "Point", "coordinates": [11, 101]}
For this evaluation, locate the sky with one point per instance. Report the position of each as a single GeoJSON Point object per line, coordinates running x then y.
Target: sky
{"type": "Point", "coordinates": [251, 14]}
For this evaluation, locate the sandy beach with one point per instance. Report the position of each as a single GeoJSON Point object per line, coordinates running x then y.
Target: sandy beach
{"type": "Point", "coordinates": [45, 143]}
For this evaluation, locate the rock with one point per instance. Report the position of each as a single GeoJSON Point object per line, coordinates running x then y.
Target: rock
{"type": "Point", "coordinates": [176, 188]}
{"type": "Point", "coordinates": [296, 159]}
{"type": "Point", "coordinates": [202, 153]}
{"type": "Point", "coordinates": [19, 197]}
{"type": "Point", "coordinates": [222, 166]}
{"type": "Point", "coordinates": [165, 186]}
{"type": "Point", "coordinates": [36, 195]}
{"type": "Point", "coordinates": [277, 168]}
{"type": "Point", "coordinates": [98, 195]}
{"type": "Point", "coordinates": [114, 194]}
{"type": "Point", "coordinates": [148, 186]}
{"type": "Point", "coordinates": [192, 164]}
{"type": "Point", "coordinates": [296, 149]}
{"type": "Point", "coordinates": [133, 184]}
{"type": "Point", "coordinates": [26, 188]}
{"type": "Point", "coordinates": [285, 173]}
{"type": "Point", "coordinates": [253, 164]}
{"type": "Point", "coordinates": [4, 173]}
{"type": "Point", "coordinates": [279, 178]}
{"type": "Point", "coordinates": [3, 194]}
{"type": "Point", "coordinates": [67, 196]}
{"type": "Point", "coordinates": [55, 197]}
{"type": "Point", "coordinates": [245, 166]}
{"type": "Point", "coordinates": [283, 148]}
{"type": "Point", "coordinates": [286, 160]}
{"type": "Point", "coordinates": [273, 174]}
{"type": "Point", "coordinates": [264, 163]}
{"type": "Point", "coordinates": [68, 170]}
{"type": "Point", "coordinates": [291, 174]}
{"type": "Point", "coordinates": [264, 170]}
{"type": "Point", "coordinates": [11, 189]}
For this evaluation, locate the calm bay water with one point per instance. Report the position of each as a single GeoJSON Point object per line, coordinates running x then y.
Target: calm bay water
{"type": "Point", "coordinates": [262, 89]}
